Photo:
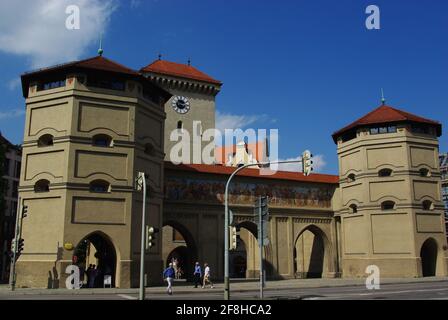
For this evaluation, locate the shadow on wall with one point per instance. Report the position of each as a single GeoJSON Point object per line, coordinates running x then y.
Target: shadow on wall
{"type": "Point", "coordinates": [53, 274]}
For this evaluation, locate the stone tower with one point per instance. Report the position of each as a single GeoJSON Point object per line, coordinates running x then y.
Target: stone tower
{"type": "Point", "coordinates": [391, 214]}
{"type": "Point", "coordinates": [191, 110]}
{"type": "Point", "coordinates": [91, 125]}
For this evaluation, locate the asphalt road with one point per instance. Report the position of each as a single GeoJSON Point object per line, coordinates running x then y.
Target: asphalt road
{"type": "Point", "coordinates": [431, 290]}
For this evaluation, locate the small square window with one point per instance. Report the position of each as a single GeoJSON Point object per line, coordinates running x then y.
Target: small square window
{"type": "Point", "coordinates": [383, 130]}
{"type": "Point", "coordinates": [373, 130]}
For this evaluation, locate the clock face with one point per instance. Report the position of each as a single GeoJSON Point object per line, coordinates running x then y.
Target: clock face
{"type": "Point", "coordinates": [180, 104]}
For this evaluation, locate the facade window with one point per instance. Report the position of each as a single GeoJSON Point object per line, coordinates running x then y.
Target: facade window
{"type": "Point", "coordinates": [385, 173]}
{"type": "Point", "coordinates": [427, 205]}
{"type": "Point", "coordinates": [99, 186]}
{"type": "Point", "coordinates": [180, 125]}
{"type": "Point", "coordinates": [424, 172]}
{"type": "Point", "coordinates": [353, 208]}
{"type": "Point", "coordinates": [104, 83]}
{"type": "Point", "coordinates": [348, 136]}
{"type": "Point", "coordinates": [388, 205]}
{"type": "Point", "coordinates": [351, 177]}
{"type": "Point", "coordinates": [102, 140]}
{"type": "Point", "coordinates": [51, 85]}
{"type": "Point", "coordinates": [42, 186]}
{"type": "Point", "coordinates": [384, 129]}
{"type": "Point", "coordinates": [45, 141]}
{"type": "Point", "coordinates": [422, 129]}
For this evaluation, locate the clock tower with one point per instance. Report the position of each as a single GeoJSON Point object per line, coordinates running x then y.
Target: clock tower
{"type": "Point", "coordinates": [191, 110]}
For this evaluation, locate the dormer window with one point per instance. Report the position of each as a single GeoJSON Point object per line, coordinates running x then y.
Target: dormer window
{"type": "Point", "coordinates": [45, 141]}
{"type": "Point", "coordinates": [385, 173]}
{"type": "Point", "coordinates": [99, 186]}
{"type": "Point", "coordinates": [427, 205]}
{"type": "Point", "coordinates": [388, 205]}
{"type": "Point", "coordinates": [102, 140]}
{"type": "Point", "coordinates": [353, 208]}
{"type": "Point", "coordinates": [351, 177]}
{"type": "Point", "coordinates": [424, 172]}
{"type": "Point", "coordinates": [383, 129]}
{"type": "Point", "coordinates": [42, 185]}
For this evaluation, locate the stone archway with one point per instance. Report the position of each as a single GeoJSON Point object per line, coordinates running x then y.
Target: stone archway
{"type": "Point", "coordinates": [428, 255]}
{"type": "Point", "coordinates": [178, 243]}
{"type": "Point", "coordinates": [96, 249]}
{"type": "Point", "coordinates": [311, 253]}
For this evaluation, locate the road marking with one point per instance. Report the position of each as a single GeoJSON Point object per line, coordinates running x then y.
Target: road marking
{"type": "Point", "coordinates": [128, 297]}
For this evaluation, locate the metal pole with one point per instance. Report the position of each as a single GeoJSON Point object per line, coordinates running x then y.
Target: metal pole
{"type": "Point", "coordinates": [260, 242]}
{"type": "Point", "coordinates": [226, 221]}
{"type": "Point", "coordinates": [142, 248]}
{"type": "Point", "coordinates": [12, 272]}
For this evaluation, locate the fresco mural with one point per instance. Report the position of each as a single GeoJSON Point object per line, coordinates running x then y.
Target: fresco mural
{"type": "Point", "coordinates": [280, 195]}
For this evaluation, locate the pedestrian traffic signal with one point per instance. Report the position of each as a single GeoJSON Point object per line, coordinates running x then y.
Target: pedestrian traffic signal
{"type": "Point", "coordinates": [307, 162]}
{"type": "Point", "coordinates": [233, 238]}
{"type": "Point", "coordinates": [24, 211]}
{"type": "Point", "coordinates": [150, 236]}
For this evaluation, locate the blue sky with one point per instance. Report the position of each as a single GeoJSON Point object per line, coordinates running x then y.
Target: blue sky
{"type": "Point", "coordinates": [307, 68]}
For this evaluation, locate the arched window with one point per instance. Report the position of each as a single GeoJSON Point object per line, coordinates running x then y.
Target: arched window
{"type": "Point", "coordinates": [180, 125]}
{"type": "Point", "coordinates": [99, 186]}
{"type": "Point", "coordinates": [351, 177]}
{"type": "Point", "coordinates": [149, 149]}
{"type": "Point", "coordinates": [102, 140]}
{"type": "Point", "coordinates": [424, 172]}
{"type": "Point", "coordinates": [388, 205]}
{"type": "Point", "coordinates": [353, 208]}
{"type": "Point", "coordinates": [385, 173]}
{"type": "Point", "coordinates": [45, 141]}
{"type": "Point", "coordinates": [427, 205]}
{"type": "Point", "coordinates": [42, 185]}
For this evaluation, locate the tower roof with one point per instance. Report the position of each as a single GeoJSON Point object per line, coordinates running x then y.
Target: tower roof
{"type": "Point", "coordinates": [164, 67]}
{"type": "Point", "coordinates": [97, 63]}
{"type": "Point", "coordinates": [384, 115]}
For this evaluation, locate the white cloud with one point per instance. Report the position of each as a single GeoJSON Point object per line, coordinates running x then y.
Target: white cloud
{"type": "Point", "coordinates": [319, 164]}
{"type": "Point", "coordinates": [14, 113]}
{"type": "Point", "coordinates": [234, 121]}
{"type": "Point", "coordinates": [36, 29]}
{"type": "Point", "coordinates": [13, 84]}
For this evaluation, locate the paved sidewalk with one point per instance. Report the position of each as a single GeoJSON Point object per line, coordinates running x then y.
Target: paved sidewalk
{"type": "Point", "coordinates": [236, 286]}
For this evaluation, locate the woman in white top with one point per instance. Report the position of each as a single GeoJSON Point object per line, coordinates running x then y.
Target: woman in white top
{"type": "Point", "coordinates": [207, 276]}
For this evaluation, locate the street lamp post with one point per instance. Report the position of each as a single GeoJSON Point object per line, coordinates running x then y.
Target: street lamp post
{"type": "Point", "coordinates": [226, 219]}
{"type": "Point", "coordinates": [141, 185]}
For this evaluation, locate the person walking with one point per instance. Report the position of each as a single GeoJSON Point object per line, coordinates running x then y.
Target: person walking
{"type": "Point", "coordinates": [168, 275]}
{"type": "Point", "coordinates": [197, 274]}
{"type": "Point", "coordinates": [207, 276]}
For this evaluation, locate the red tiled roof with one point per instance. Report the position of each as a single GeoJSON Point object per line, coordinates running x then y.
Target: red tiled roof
{"type": "Point", "coordinates": [179, 70]}
{"type": "Point", "coordinates": [385, 114]}
{"type": "Point", "coordinates": [254, 173]}
{"type": "Point", "coordinates": [97, 63]}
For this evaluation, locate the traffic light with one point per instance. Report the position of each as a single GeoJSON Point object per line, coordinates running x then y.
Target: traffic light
{"type": "Point", "coordinates": [307, 162]}
{"type": "Point", "coordinates": [233, 238]}
{"type": "Point", "coordinates": [19, 247]}
{"type": "Point", "coordinates": [150, 236]}
{"type": "Point", "coordinates": [24, 211]}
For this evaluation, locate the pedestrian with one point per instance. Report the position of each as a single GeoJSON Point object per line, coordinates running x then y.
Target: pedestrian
{"type": "Point", "coordinates": [92, 277]}
{"type": "Point", "coordinates": [89, 274]}
{"type": "Point", "coordinates": [197, 274]}
{"type": "Point", "coordinates": [207, 276]}
{"type": "Point", "coordinates": [168, 275]}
